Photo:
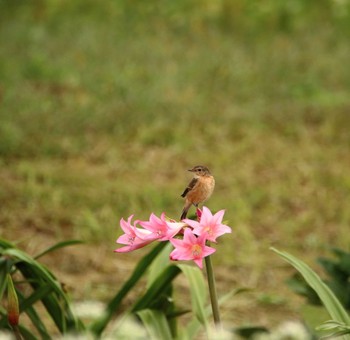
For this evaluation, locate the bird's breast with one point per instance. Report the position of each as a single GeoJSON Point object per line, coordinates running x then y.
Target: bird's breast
{"type": "Point", "coordinates": [202, 190]}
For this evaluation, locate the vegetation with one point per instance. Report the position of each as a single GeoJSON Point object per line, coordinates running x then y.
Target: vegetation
{"type": "Point", "coordinates": [104, 105]}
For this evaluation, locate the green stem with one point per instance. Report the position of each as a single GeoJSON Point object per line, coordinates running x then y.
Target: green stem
{"type": "Point", "coordinates": [212, 291]}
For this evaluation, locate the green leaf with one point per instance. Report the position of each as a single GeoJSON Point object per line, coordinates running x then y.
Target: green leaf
{"type": "Point", "coordinates": [5, 244]}
{"type": "Point", "coordinates": [37, 322]}
{"type": "Point", "coordinates": [198, 291]}
{"type": "Point", "coordinates": [58, 246]}
{"type": "Point", "coordinates": [157, 289]}
{"type": "Point", "coordinates": [56, 303]}
{"type": "Point", "coordinates": [299, 286]}
{"type": "Point", "coordinates": [331, 324]}
{"type": "Point", "coordinates": [37, 295]}
{"type": "Point", "coordinates": [3, 272]}
{"type": "Point", "coordinates": [99, 325]}
{"type": "Point", "coordinates": [28, 308]}
{"type": "Point", "coordinates": [158, 296]}
{"type": "Point", "coordinates": [27, 335]}
{"type": "Point", "coordinates": [329, 300]}
{"type": "Point", "coordinates": [160, 262]}
{"type": "Point", "coordinates": [156, 324]}
{"type": "Point", "coordinates": [38, 270]}
{"type": "Point", "coordinates": [338, 328]}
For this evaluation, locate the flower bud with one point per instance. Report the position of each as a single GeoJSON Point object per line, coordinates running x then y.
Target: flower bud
{"type": "Point", "coordinates": [12, 303]}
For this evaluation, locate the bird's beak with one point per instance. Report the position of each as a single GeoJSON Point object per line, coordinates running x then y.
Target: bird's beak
{"type": "Point", "coordinates": [192, 170]}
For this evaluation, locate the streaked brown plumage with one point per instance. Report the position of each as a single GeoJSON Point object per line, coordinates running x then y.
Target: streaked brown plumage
{"type": "Point", "coordinates": [199, 189]}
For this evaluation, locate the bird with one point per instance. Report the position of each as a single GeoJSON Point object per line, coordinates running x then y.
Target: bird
{"type": "Point", "coordinates": [199, 189]}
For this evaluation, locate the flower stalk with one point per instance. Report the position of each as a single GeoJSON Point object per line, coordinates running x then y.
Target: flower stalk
{"type": "Point", "coordinates": [212, 291]}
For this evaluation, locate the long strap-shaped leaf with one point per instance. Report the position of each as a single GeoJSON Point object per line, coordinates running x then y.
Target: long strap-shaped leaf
{"type": "Point", "coordinates": [332, 304]}
{"type": "Point", "coordinates": [46, 286]}
{"type": "Point", "coordinates": [156, 324]}
{"type": "Point", "coordinates": [198, 291]}
{"type": "Point", "coordinates": [57, 303]}
{"type": "Point", "coordinates": [3, 272]}
{"type": "Point", "coordinates": [99, 325]}
{"type": "Point", "coordinates": [155, 320]}
{"type": "Point", "coordinates": [26, 305]}
{"type": "Point", "coordinates": [58, 246]}
{"type": "Point", "coordinates": [157, 288]}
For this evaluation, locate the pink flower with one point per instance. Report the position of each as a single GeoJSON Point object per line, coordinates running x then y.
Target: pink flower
{"type": "Point", "coordinates": [209, 225]}
{"type": "Point", "coordinates": [159, 228]}
{"type": "Point", "coordinates": [132, 237]}
{"type": "Point", "coordinates": [190, 248]}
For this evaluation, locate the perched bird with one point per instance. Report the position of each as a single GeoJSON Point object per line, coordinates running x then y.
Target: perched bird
{"type": "Point", "coordinates": [199, 189]}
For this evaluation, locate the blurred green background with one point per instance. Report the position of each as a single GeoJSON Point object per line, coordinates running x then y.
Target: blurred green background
{"type": "Point", "coordinates": [105, 104]}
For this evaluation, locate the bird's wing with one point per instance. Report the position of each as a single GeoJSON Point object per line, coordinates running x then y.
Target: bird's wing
{"type": "Point", "coordinates": [190, 186]}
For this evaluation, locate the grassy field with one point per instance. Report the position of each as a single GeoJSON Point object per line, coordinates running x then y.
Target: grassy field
{"type": "Point", "coordinates": [104, 105]}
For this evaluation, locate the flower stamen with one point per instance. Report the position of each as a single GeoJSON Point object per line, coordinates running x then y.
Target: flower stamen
{"type": "Point", "coordinates": [196, 250]}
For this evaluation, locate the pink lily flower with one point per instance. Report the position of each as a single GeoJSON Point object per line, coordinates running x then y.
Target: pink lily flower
{"type": "Point", "coordinates": [159, 228]}
{"type": "Point", "coordinates": [132, 237]}
{"type": "Point", "coordinates": [209, 225]}
{"type": "Point", "coordinates": [190, 248]}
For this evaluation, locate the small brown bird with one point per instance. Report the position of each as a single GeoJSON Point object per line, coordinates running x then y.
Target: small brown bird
{"type": "Point", "coordinates": [199, 189]}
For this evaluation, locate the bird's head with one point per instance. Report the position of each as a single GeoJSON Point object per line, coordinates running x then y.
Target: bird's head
{"type": "Point", "coordinates": [200, 170]}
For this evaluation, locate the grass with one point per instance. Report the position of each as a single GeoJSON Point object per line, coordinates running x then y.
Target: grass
{"type": "Point", "coordinates": [105, 106]}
